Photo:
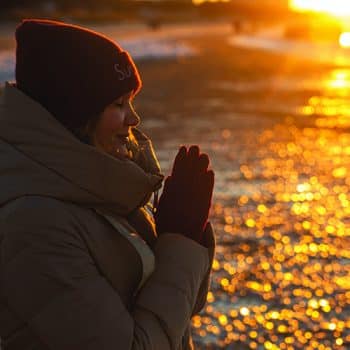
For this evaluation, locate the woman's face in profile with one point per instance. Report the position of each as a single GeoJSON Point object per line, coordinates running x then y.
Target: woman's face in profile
{"type": "Point", "coordinates": [113, 127]}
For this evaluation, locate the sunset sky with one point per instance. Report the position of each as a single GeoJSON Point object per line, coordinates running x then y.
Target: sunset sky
{"type": "Point", "coordinates": [339, 8]}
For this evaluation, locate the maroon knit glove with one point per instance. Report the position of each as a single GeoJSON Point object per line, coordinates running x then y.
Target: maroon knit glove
{"type": "Point", "coordinates": [185, 202]}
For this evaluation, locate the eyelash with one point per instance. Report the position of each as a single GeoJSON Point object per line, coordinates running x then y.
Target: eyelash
{"type": "Point", "coordinates": [122, 104]}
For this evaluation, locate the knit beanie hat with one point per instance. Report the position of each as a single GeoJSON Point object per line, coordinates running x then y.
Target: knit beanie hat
{"type": "Point", "coordinates": [72, 71]}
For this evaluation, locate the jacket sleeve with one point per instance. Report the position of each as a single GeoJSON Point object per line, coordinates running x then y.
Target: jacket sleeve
{"type": "Point", "coordinates": [50, 280]}
{"type": "Point", "coordinates": [209, 242]}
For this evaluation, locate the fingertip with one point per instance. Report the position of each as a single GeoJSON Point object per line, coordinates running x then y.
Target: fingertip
{"type": "Point", "coordinates": [203, 162]}
{"type": "Point", "coordinates": [179, 160]}
{"type": "Point", "coordinates": [204, 156]}
{"type": "Point", "coordinates": [182, 149]}
{"type": "Point", "coordinates": [182, 153]}
{"type": "Point", "coordinates": [194, 151]}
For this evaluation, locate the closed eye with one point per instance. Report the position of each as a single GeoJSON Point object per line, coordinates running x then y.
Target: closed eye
{"type": "Point", "coordinates": [125, 101]}
{"type": "Point", "coordinates": [119, 102]}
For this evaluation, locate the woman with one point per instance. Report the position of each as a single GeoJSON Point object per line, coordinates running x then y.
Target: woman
{"type": "Point", "coordinates": [83, 264]}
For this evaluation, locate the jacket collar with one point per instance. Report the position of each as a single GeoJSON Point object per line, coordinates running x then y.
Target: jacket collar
{"type": "Point", "coordinates": [86, 175]}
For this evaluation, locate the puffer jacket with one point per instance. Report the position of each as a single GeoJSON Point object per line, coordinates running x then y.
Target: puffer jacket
{"type": "Point", "coordinates": [81, 266]}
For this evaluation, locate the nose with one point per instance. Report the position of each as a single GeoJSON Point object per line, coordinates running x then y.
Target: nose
{"type": "Point", "coordinates": [132, 118]}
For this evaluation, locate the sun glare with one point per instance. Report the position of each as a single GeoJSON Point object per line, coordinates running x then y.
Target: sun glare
{"type": "Point", "coordinates": [344, 40]}
{"type": "Point", "coordinates": [338, 8]}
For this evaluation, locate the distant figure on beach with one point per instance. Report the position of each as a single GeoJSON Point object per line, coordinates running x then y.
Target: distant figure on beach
{"type": "Point", "coordinates": [88, 260]}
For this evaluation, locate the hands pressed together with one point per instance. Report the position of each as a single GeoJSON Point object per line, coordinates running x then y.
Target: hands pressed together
{"type": "Point", "coordinates": [185, 202]}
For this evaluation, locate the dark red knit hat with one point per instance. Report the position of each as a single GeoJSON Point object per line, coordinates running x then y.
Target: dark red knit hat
{"type": "Point", "coordinates": [72, 71]}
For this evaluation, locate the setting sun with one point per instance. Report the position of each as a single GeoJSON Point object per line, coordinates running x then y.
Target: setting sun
{"type": "Point", "coordinates": [339, 8]}
{"type": "Point", "coordinates": [344, 39]}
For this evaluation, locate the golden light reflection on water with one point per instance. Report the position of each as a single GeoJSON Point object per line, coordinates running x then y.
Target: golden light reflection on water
{"type": "Point", "coordinates": [332, 107]}
{"type": "Point", "coordinates": [339, 80]}
{"type": "Point", "coordinates": [339, 8]}
{"type": "Point", "coordinates": [281, 276]}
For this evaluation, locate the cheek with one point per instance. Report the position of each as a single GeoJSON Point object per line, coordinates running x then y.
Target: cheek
{"type": "Point", "coordinates": [110, 124]}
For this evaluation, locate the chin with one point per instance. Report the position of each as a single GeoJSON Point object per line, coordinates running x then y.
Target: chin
{"type": "Point", "coordinates": [122, 154]}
